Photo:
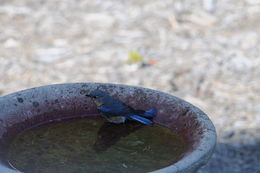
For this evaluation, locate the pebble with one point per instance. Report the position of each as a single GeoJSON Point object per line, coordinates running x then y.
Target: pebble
{"type": "Point", "coordinates": [253, 2]}
{"type": "Point", "coordinates": [240, 124]}
{"type": "Point", "coordinates": [228, 134]}
{"type": "Point", "coordinates": [11, 43]}
{"type": "Point", "coordinates": [209, 5]}
{"type": "Point", "coordinates": [60, 42]}
{"type": "Point", "coordinates": [52, 55]}
{"type": "Point", "coordinates": [99, 19]}
{"type": "Point", "coordinates": [124, 165]}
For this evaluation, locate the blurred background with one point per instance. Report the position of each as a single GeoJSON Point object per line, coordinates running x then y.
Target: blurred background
{"type": "Point", "coordinates": [204, 51]}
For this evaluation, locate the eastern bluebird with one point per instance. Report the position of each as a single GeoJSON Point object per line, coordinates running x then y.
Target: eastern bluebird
{"type": "Point", "coordinates": [115, 111]}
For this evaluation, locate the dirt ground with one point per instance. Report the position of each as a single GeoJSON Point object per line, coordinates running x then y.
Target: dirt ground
{"type": "Point", "coordinates": [204, 51]}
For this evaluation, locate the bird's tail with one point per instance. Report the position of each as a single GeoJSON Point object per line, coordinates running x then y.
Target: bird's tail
{"type": "Point", "coordinates": [141, 119]}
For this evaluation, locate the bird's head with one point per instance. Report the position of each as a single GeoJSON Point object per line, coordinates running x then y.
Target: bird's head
{"type": "Point", "coordinates": [98, 96]}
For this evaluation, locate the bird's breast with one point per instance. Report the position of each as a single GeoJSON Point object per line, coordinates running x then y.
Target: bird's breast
{"type": "Point", "coordinates": [98, 103]}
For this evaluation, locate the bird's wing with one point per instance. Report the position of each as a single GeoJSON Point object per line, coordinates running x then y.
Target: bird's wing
{"type": "Point", "coordinates": [112, 110]}
{"type": "Point", "coordinates": [108, 110]}
{"type": "Point", "coordinates": [141, 119]}
{"type": "Point", "coordinates": [116, 107]}
{"type": "Point", "coordinates": [105, 109]}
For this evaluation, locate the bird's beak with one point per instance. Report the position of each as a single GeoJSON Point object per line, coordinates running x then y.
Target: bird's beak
{"type": "Point", "coordinates": [87, 95]}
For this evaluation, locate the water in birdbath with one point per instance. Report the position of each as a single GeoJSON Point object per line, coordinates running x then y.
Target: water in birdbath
{"type": "Point", "coordinates": [94, 146]}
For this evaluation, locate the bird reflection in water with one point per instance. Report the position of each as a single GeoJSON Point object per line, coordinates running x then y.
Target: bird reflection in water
{"type": "Point", "coordinates": [109, 134]}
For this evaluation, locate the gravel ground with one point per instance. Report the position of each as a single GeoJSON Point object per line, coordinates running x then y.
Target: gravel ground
{"type": "Point", "coordinates": [206, 52]}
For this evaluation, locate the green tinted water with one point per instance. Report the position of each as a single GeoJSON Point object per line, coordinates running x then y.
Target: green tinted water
{"type": "Point", "coordinates": [92, 146]}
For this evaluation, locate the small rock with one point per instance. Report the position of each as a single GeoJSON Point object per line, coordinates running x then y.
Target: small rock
{"type": "Point", "coordinates": [124, 165]}
{"type": "Point", "coordinates": [99, 19]}
{"type": "Point", "coordinates": [10, 43]}
{"type": "Point", "coordinates": [12, 10]}
{"type": "Point", "coordinates": [209, 5]}
{"type": "Point", "coordinates": [202, 18]}
{"type": "Point", "coordinates": [240, 124]}
{"type": "Point", "coordinates": [52, 55]}
{"type": "Point", "coordinates": [228, 134]}
{"type": "Point", "coordinates": [253, 2]}
{"type": "Point", "coordinates": [60, 42]}
{"type": "Point", "coordinates": [258, 118]}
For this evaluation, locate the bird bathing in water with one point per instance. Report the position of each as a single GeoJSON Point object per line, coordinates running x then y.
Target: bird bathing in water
{"type": "Point", "coordinates": [115, 111]}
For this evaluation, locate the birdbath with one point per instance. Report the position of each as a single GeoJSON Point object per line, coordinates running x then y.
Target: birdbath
{"type": "Point", "coordinates": [30, 108]}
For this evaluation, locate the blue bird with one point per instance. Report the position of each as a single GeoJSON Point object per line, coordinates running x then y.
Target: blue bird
{"type": "Point", "coordinates": [115, 111]}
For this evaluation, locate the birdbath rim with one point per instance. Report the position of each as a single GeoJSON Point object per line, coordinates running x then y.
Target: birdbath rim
{"type": "Point", "coordinates": [27, 100]}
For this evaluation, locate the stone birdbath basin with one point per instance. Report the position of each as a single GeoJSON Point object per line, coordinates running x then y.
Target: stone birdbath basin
{"type": "Point", "coordinates": [25, 109]}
